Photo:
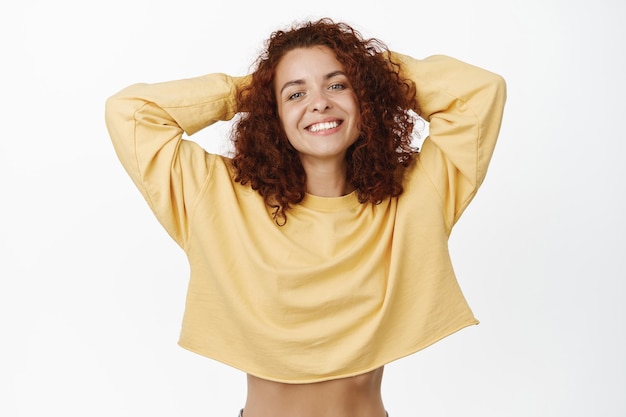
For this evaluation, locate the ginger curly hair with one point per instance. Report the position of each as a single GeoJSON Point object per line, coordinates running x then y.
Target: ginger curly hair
{"type": "Point", "coordinates": [263, 156]}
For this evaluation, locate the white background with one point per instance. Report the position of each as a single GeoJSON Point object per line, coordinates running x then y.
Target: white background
{"type": "Point", "coordinates": [92, 289]}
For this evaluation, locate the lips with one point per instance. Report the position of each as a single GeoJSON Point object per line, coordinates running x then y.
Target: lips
{"type": "Point", "coordinates": [318, 127]}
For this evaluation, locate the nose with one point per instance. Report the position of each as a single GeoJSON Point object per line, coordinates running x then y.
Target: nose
{"type": "Point", "coordinates": [319, 101]}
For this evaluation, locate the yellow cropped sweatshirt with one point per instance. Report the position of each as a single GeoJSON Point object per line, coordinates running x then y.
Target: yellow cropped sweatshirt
{"type": "Point", "coordinates": [343, 287]}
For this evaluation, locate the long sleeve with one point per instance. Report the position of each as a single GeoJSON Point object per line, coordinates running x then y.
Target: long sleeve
{"type": "Point", "coordinates": [463, 105]}
{"type": "Point", "coordinates": [146, 123]}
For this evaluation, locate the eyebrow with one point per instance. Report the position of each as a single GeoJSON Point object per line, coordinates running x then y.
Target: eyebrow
{"type": "Point", "coordinates": [300, 82]}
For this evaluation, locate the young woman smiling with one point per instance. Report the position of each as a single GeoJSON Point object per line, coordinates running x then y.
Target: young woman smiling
{"type": "Point", "coordinates": [318, 250]}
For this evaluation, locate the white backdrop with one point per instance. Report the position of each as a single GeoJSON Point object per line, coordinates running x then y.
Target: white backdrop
{"type": "Point", "coordinates": [92, 289]}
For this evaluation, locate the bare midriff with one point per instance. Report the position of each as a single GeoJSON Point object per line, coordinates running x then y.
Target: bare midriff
{"type": "Point", "coordinates": [357, 396]}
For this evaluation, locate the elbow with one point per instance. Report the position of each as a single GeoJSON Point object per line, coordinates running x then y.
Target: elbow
{"type": "Point", "coordinates": [499, 84]}
{"type": "Point", "coordinates": [111, 111]}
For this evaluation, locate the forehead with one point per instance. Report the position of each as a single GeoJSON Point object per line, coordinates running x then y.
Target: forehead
{"type": "Point", "coordinates": [303, 63]}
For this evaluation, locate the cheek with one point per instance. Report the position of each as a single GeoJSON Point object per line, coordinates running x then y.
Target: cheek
{"type": "Point", "coordinates": [357, 121]}
{"type": "Point", "coordinates": [289, 120]}
{"type": "Point", "coordinates": [355, 111]}
{"type": "Point", "coordinates": [283, 115]}
{"type": "Point", "coordinates": [287, 130]}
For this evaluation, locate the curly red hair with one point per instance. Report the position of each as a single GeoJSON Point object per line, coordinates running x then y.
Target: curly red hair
{"type": "Point", "coordinates": [265, 159]}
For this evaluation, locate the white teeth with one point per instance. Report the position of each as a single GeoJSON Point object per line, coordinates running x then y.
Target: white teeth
{"type": "Point", "coordinates": [323, 126]}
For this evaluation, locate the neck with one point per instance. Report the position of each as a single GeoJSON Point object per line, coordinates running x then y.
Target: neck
{"type": "Point", "coordinates": [327, 179]}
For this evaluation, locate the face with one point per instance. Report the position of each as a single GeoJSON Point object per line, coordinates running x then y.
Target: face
{"type": "Point", "coordinates": [316, 104]}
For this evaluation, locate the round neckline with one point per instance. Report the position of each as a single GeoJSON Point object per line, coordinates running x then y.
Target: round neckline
{"type": "Point", "coordinates": [329, 203]}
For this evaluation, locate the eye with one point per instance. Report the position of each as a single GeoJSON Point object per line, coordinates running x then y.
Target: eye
{"type": "Point", "coordinates": [295, 96]}
{"type": "Point", "coordinates": [337, 86]}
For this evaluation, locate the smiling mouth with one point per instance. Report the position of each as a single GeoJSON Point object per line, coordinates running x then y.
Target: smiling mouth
{"type": "Point", "coordinates": [318, 127]}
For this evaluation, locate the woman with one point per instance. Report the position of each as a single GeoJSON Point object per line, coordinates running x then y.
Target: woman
{"type": "Point", "coordinates": [318, 252]}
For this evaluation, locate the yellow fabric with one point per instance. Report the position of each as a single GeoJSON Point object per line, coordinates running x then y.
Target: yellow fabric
{"type": "Point", "coordinates": [343, 287]}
